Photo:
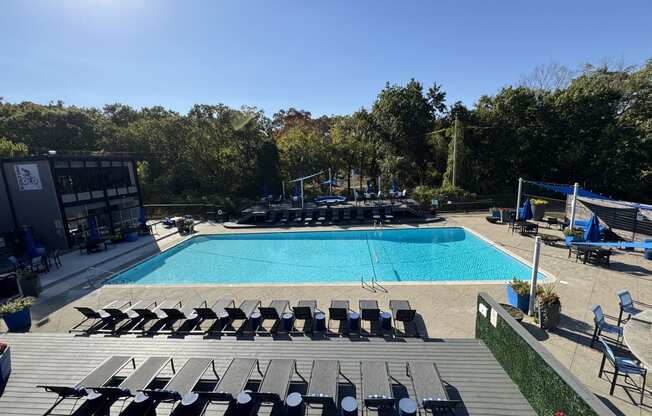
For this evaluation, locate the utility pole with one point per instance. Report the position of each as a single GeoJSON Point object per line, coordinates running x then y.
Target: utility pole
{"type": "Point", "coordinates": [454, 149]}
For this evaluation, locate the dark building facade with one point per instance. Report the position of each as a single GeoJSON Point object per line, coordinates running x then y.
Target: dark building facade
{"type": "Point", "coordinates": [57, 195]}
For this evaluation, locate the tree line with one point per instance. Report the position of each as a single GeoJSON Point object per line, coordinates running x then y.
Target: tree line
{"type": "Point", "coordinates": [593, 127]}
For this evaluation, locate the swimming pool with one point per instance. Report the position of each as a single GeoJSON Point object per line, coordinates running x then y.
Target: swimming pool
{"type": "Point", "coordinates": [405, 255]}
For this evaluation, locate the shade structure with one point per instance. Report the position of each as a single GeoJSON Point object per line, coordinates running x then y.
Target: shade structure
{"type": "Point", "coordinates": [592, 230]}
{"type": "Point", "coordinates": [526, 211]}
{"type": "Point", "coordinates": [142, 219]}
{"type": "Point", "coordinates": [92, 226]}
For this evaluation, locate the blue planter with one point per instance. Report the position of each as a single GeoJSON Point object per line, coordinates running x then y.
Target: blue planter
{"type": "Point", "coordinates": [518, 301]}
{"type": "Point", "coordinates": [5, 368]}
{"type": "Point", "coordinates": [648, 252]}
{"type": "Point", "coordinates": [20, 321]}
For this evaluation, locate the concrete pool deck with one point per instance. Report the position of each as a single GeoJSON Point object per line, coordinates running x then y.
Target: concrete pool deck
{"type": "Point", "coordinates": [448, 311]}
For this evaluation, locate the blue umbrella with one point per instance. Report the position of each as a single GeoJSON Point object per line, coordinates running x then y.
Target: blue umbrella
{"type": "Point", "coordinates": [92, 225]}
{"type": "Point", "coordinates": [370, 187]}
{"type": "Point", "coordinates": [592, 230]}
{"type": "Point", "coordinates": [142, 219]}
{"type": "Point", "coordinates": [30, 245]}
{"type": "Point", "coordinates": [394, 186]}
{"type": "Point", "coordinates": [526, 211]}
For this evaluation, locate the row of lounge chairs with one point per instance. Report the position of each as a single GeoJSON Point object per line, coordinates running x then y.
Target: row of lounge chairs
{"type": "Point", "coordinates": [323, 216]}
{"type": "Point", "coordinates": [177, 317]}
{"type": "Point", "coordinates": [191, 391]}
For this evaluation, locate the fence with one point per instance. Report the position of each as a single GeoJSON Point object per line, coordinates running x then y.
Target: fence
{"type": "Point", "coordinates": [624, 222]}
{"type": "Point", "coordinates": [207, 212]}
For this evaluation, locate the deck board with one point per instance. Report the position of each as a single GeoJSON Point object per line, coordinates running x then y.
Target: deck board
{"type": "Point", "coordinates": [466, 365]}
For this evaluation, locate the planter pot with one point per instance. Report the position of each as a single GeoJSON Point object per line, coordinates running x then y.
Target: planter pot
{"type": "Point", "coordinates": [548, 315]}
{"type": "Point", "coordinates": [31, 285]}
{"type": "Point", "coordinates": [5, 368]}
{"type": "Point", "coordinates": [648, 252]}
{"type": "Point", "coordinates": [519, 301]}
{"type": "Point", "coordinates": [538, 211]}
{"type": "Point", "coordinates": [20, 321]}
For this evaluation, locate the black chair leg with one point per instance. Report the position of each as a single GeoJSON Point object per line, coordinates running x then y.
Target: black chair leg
{"type": "Point", "coordinates": [595, 335]}
{"type": "Point", "coordinates": [613, 382]}
{"type": "Point", "coordinates": [604, 358]}
{"type": "Point", "coordinates": [643, 387]}
{"type": "Point", "coordinates": [620, 316]}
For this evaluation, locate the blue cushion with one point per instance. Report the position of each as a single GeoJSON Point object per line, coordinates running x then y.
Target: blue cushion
{"type": "Point", "coordinates": [627, 366]}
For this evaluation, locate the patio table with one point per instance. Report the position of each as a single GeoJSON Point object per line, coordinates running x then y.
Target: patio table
{"type": "Point", "coordinates": [638, 337]}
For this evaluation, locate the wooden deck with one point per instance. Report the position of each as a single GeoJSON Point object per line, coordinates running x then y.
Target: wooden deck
{"type": "Point", "coordinates": [469, 368]}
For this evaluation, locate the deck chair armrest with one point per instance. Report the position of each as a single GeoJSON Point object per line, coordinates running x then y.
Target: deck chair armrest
{"type": "Point", "coordinates": [113, 392]}
{"type": "Point", "coordinates": [161, 395]}
{"type": "Point", "coordinates": [65, 391]}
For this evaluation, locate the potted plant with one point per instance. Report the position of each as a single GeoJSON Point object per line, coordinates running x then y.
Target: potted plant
{"type": "Point", "coordinates": [548, 307]}
{"type": "Point", "coordinates": [518, 294]}
{"type": "Point", "coordinates": [5, 365]}
{"type": "Point", "coordinates": [17, 315]}
{"type": "Point", "coordinates": [573, 234]}
{"type": "Point", "coordinates": [30, 282]}
{"type": "Point", "coordinates": [538, 208]}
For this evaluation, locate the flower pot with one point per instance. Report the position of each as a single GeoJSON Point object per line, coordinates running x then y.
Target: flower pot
{"type": "Point", "coordinates": [20, 321]}
{"type": "Point", "coordinates": [538, 211]}
{"type": "Point", "coordinates": [5, 368]}
{"type": "Point", "coordinates": [548, 315]}
{"type": "Point", "coordinates": [519, 301]}
{"type": "Point", "coordinates": [647, 253]}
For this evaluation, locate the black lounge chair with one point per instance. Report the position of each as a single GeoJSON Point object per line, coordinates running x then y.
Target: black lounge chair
{"type": "Point", "coordinates": [389, 214]}
{"type": "Point", "coordinates": [338, 311]}
{"type": "Point", "coordinates": [402, 312]}
{"type": "Point", "coordinates": [335, 215]}
{"type": "Point", "coordinates": [216, 312]}
{"type": "Point", "coordinates": [346, 215]}
{"type": "Point", "coordinates": [273, 312]}
{"type": "Point", "coordinates": [276, 381]}
{"type": "Point", "coordinates": [181, 383]}
{"type": "Point", "coordinates": [375, 213]}
{"type": "Point", "coordinates": [322, 388]}
{"type": "Point", "coordinates": [430, 391]}
{"type": "Point", "coordinates": [231, 384]}
{"type": "Point", "coordinates": [271, 217]}
{"type": "Point", "coordinates": [369, 311]}
{"type": "Point", "coordinates": [103, 397]}
{"type": "Point", "coordinates": [100, 318]}
{"type": "Point", "coordinates": [285, 218]}
{"type": "Point", "coordinates": [322, 216]}
{"type": "Point", "coordinates": [305, 311]}
{"type": "Point", "coordinates": [376, 389]}
{"type": "Point", "coordinates": [359, 215]}
{"type": "Point", "coordinates": [100, 376]}
{"type": "Point", "coordinates": [308, 218]}
{"type": "Point", "coordinates": [172, 312]}
{"type": "Point", "coordinates": [140, 313]}
{"type": "Point", "coordinates": [298, 216]}
{"type": "Point", "coordinates": [242, 312]}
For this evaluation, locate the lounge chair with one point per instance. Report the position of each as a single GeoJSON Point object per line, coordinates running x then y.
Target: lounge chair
{"type": "Point", "coordinates": [100, 376]}
{"type": "Point", "coordinates": [100, 318]}
{"type": "Point", "coordinates": [359, 215]}
{"type": "Point", "coordinates": [298, 216]}
{"type": "Point", "coordinates": [271, 217]}
{"type": "Point", "coordinates": [242, 312]}
{"type": "Point", "coordinates": [285, 218]}
{"type": "Point", "coordinates": [338, 311]}
{"type": "Point", "coordinates": [217, 312]}
{"type": "Point", "coordinates": [171, 312]}
{"type": "Point", "coordinates": [276, 381]}
{"type": "Point", "coordinates": [375, 213]}
{"type": "Point", "coordinates": [376, 389]}
{"type": "Point", "coordinates": [305, 311]}
{"type": "Point", "coordinates": [273, 312]}
{"type": "Point", "coordinates": [335, 215]}
{"type": "Point", "coordinates": [322, 388]}
{"type": "Point", "coordinates": [369, 311]}
{"type": "Point", "coordinates": [402, 312]}
{"type": "Point", "coordinates": [181, 383]}
{"type": "Point", "coordinates": [322, 216]}
{"type": "Point", "coordinates": [308, 218]}
{"type": "Point", "coordinates": [430, 392]}
{"type": "Point", "coordinates": [103, 397]}
{"type": "Point", "coordinates": [231, 384]}
{"type": "Point", "coordinates": [346, 215]}
{"type": "Point", "coordinates": [389, 214]}
{"type": "Point", "coordinates": [140, 313]}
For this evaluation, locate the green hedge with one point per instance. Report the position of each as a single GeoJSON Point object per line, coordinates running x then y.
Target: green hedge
{"type": "Point", "coordinates": [544, 382]}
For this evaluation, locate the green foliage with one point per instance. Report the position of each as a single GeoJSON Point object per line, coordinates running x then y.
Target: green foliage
{"type": "Point", "coordinates": [547, 294]}
{"type": "Point", "coordinates": [17, 305]}
{"type": "Point", "coordinates": [10, 149]}
{"type": "Point", "coordinates": [521, 287]}
{"type": "Point", "coordinates": [574, 232]}
{"type": "Point", "coordinates": [538, 201]}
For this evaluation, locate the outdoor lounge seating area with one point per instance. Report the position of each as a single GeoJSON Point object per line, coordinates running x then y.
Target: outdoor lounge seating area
{"type": "Point", "coordinates": [250, 317]}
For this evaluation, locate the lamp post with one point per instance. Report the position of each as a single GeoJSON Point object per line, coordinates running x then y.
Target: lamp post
{"type": "Point", "coordinates": [576, 188]}
{"type": "Point", "coordinates": [518, 197]}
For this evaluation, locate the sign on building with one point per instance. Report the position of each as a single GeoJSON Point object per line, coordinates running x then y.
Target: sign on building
{"type": "Point", "coordinates": [28, 177]}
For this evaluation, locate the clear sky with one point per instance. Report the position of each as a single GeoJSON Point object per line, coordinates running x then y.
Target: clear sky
{"type": "Point", "coordinates": [328, 57]}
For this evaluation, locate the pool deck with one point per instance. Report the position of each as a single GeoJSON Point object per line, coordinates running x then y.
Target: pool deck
{"type": "Point", "coordinates": [446, 310]}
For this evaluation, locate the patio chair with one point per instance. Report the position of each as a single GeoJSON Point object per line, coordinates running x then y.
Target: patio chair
{"type": "Point", "coordinates": [429, 389]}
{"type": "Point", "coordinates": [308, 219]}
{"type": "Point", "coordinates": [402, 312]}
{"type": "Point", "coordinates": [273, 312]}
{"type": "Point", "coordinates": [376, 389]}
{"type": "Point", "coordinates": [601, 325]}
{"type": "Point", "coordinates": [622, 365]}
{"type": "Point", "coordinates": [322, 388]}
{"type": "Point", "coordinates": [99, 317]}
{"type": "Point", "coordinates": [305, 311]}
{"type": "Point", "coordinates": [101, 398]}
{"type": "Point", "coordinates": [231, 384]}
{"type": "Point", "coordinates": [322, 216]}
{"type": "Point", "coordinates": [276, 381]}
{"type": "Point", "coordinates": [338, 311]}
{"type": "Point", "coordinates": [370, 312]}
{"type": "Point", "coordinates": [626, 304]}
{"type": "Point", "coordinates": [181, 383]}
{"type": "Point", "coordinates": [217, 312]}
{"type": "Point", "coordinates": [242, 313]}
{"type": "Point", "coordinates": [100, 376]}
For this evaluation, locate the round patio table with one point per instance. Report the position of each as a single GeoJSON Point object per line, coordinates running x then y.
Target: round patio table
{"type": "Point", "coordinates": [638, 337]}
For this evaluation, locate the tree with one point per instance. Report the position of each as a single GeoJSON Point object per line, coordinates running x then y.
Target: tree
{"type": "Point", "coordinates": [9, 149]}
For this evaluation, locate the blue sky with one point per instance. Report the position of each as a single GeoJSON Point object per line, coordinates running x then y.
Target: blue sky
{"type": "Point", "coordinates": [328, 57]}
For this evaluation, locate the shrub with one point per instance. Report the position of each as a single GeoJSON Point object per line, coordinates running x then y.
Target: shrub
{"type": "Point", "coordinates": [521, 287]}
{"type": "Point", "coordinates": [424, 194]}
{"type": "Point", "coordinates": [538, 202]}
{"type": "Point", "coordinates": [574, 232]}
{"type": "Point", "coordinates": [17, 305]}
{"type": "Point", "coordinates": [547, 294]}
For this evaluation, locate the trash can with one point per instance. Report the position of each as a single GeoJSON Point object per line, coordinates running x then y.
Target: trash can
{"type": "Point", "coordinates": [354, 322]}
{"type": "Point", "coordinates": [386, 321]}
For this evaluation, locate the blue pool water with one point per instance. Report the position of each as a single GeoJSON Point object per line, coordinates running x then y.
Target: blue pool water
{"type": "Point", "coordinates": [433, 254]}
